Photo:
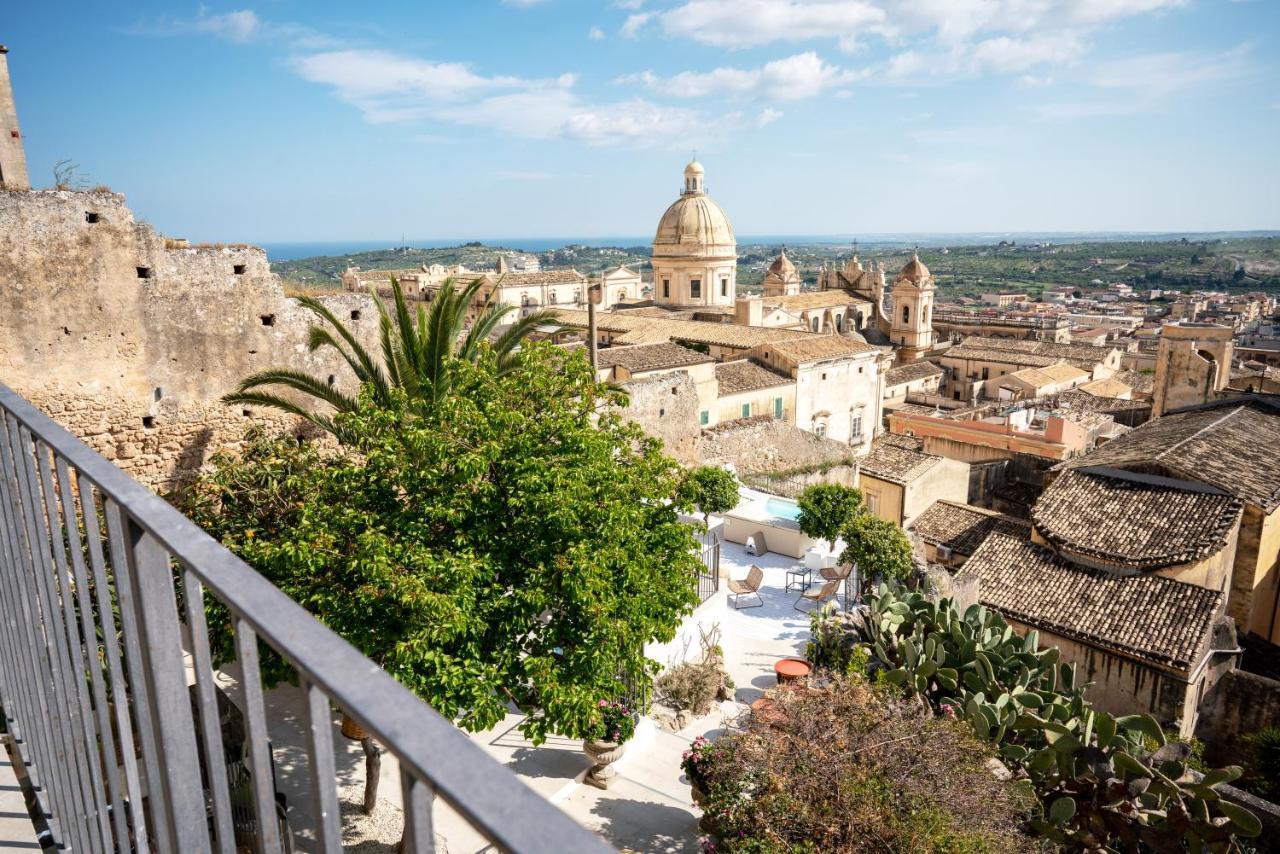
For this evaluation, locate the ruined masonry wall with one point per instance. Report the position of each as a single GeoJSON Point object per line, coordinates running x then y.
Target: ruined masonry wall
{"type": "Point", "coordinates": [129, 339]}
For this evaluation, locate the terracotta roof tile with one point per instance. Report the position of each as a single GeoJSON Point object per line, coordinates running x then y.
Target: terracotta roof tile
{"type": "Point", "coordinates": [1222, 444]}
{"type": "Point", "coordinates": [911, 372]}
{"type": "Point", "coordinates": [1147, 617]}
{"type": "Point", "coordinates": [1144, 522]}
{"type": "Point", "coordinates": [963, 527]}
{"type": "Point", "coordinates": [650, 357]}
{"type": "Point", "coordinates": [650, 330]}
{"type": "Point", "coordinates": [889, 460]}
{"type": "Point", "coordinates": [815, 348]}
{"type": "Point", "coordinates": [746, 375]}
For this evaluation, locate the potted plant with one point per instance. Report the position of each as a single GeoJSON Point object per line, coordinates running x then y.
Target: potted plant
{"type": "Point", "coordinates": [614, 727]}
{"type": "Point", "coordinates": [694, 762]}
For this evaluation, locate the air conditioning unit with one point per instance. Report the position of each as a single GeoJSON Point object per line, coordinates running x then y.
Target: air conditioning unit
{"type": "Point", "coordinates": [944, 552]}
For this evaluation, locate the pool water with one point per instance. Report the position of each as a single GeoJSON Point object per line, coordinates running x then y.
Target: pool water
{"type": "Point", "coordinates": [782, 508]}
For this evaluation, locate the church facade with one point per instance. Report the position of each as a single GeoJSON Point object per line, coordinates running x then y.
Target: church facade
{"type": "Point", "coordinates": [695, 254]}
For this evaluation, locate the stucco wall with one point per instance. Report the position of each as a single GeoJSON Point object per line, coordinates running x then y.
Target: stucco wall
{"type": "Point", "coordinates": [100, 347]}
{"type": "Point", "coordinates": [666, 406]}
{"type": "Point", "coordinates": [946, 480]}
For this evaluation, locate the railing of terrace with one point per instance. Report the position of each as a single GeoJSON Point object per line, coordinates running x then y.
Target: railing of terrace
{"type": "Point", "coordinates": [102, 586]}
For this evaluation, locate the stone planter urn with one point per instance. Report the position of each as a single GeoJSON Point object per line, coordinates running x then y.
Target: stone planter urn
{"type": "Point", "coordinates": [705, 823]}
{"type": "Point", "coordinates": [602, 755]}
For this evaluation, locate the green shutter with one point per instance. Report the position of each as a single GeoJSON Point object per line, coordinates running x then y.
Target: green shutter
{"type": "Point", "coordinates": [746, 410]}
{"type": "Point", "coordinates": [777, 407]}
{"type": "Point", "coordinates": [704, 418]}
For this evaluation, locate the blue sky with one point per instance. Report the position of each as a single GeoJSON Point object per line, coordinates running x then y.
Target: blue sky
{"type": "Point", "coordinates": [315, 120]}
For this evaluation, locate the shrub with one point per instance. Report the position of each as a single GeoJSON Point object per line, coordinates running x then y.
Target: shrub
{"type": "Point", "coordinates": [879, 548]}
{"type": "Point", "coordinates": [841, 769]}
{"type": "Point", "coordinates": [825, 508]}
{"type": "Point", "coordinates": [712, 489]}
{"type": "Point", "coordinates": [1262, 763]}
{"type": "Point", "coordinates": [614, 722]}
{"type": "Point", "coordinates": [693, 686]}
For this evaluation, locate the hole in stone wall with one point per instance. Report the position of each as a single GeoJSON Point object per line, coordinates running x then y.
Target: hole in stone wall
{"type": "Point", "coordinates": [268, 320]}
{"type": "Point", "coordinates": [675, 389]}
{"type": "Point", "coordinates": [90, 217]}
{"type": "Point", "coordinates": [332, 379]}
{"type": "Point", "coordinates": [66, 331]}
{"type": "Point", "coordinates": [355, 315]}
{"type": "Point", "coordinates": [148, 422]}
{"type": "Point", "coordinates": [158, 393]}
{"type": "Point", "coordinates": [144, 272]}
{"type": "Point", "coordinates": [661, 412]}
{"type": "Point", "coordinates": [238, 269]}
{"type": "Point", "coordinates": [246, 413]}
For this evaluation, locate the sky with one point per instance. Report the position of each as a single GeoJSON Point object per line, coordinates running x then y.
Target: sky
{"type": "Point", "coordinates": [293, 120]}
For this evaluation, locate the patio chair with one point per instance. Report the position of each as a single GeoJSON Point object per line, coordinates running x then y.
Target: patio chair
{"type": "Point", "coordinates": [818, 595]}
{"type": "Point", "coordinates": [841, 574]}
{"type": "Point", "coordinates": [749, 586]}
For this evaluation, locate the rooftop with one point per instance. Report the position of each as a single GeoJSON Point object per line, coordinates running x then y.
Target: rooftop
{"type": "Point", "coordinates": [1218, 444]}
{"type": "Point", "coordinates": [1073, 353]}
{"type": "Point", "coordinates": [1147, 617]}
{"type": "Point", "coordinates": [815, 299]}
{"type": "Point", "coordinates": [1110, 387]}
{"type": "Point", "coordinates": [1012, 357]}
{"type": "Point", "coordinates": [650, 357]}
{"type": "Point", "coordinates": [746, 375]}
{"type": "Point", "coordinates": [963, 527]}
{"type": "Point", "coordinates": [650, 330]}
{"type": "Point", "coordinates": [893, 461]}
{"type": "Point", "coordinates": [1135, 521]}
{"type": "Point", "coordinates": [816, 348]}
{"type": "Point", "coordinates": [911, 372]}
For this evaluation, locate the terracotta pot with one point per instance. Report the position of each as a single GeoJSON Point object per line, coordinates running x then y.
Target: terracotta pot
{"type": "Point", "coordinates": [602, 754]}
{"type": "Point", "coordinates": [699, 796]}
{"type": "Point", "coordinates": [351, 729]}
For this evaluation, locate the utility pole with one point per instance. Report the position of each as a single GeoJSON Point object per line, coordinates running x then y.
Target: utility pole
{"type": "Point", "coordinates": [595, 295]}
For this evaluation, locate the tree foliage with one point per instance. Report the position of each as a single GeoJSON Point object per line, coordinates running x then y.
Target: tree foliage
{"type": "Point", "coordinates": [514, 543]}
{"type": "Point", "coordinates": [419, 354]}
{"type": "Point", "coordinates": [825, 509]}
{"type": "Point", "coordinates": [711, 489]}
{"type": "Point", "coordinates": [877, 547]}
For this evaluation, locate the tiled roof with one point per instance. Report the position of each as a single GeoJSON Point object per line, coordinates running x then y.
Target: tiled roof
{"type": "Point", "coordinates": [1034, 377]}
{"type": "Point", "coordinates": [1221, 444]}
{"type": "Point", "coordinates": [1110, 387]}
{"type": "Point", "coordinates": [815, 348]}
{"type": "Point", "coordinates": [542, 277]}
{"type": "Point", "coordinates": [963, 527]}
{"type": "Point", "coordinates": [649, 330]}
{"type": "Point", "coordinates": [815, 299]}
{"type": "Point", "coordinates": [650, 357]}
{"type": "Point", "coordinates": [1062, 372]}
{"type": "Point", "coordinates": [1132, 520]}
{"type": "Point", "coordinates": [911, 372]}
{"type": "Point", "coordinates": [890, 460]}
{"type": "Point", "coordinates": [1008, 357]}
{"type": "Point", "coordinates": [1077, 400]}
{"type": "Point", "coordinates": [1077, 354]}
{"type": "Point", "coordinates": [746, 375]}
{"type": "Point", "coordinates": [1147, 617]}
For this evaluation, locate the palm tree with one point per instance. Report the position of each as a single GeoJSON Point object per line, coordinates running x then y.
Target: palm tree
{"type": "Point", "coordinates": [417, 352]}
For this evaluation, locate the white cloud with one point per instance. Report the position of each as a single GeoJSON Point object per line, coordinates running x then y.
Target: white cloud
{"type": "Point", "coordinates": [522, 4]}
{"type": "Point", "coordinates": [1002, 54]}
{"type": "Point", "coordinates": [747, 23]}
{"type": "Point", "coordinates": [388, 87]}
{"type": "Point", "coordinates": [628, 4]}
{"type": "Point", "coordinates": [768, 116]}
{"type": "Point", "coordinates": [238, 26]}
{"type": "Point", "coordinates": [595, 34]}
{"type": "Point", "coordinates": [804, 75]}
{"type": "Point", "coordinates": [631, 27]}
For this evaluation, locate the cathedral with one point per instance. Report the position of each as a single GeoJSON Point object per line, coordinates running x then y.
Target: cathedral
{"type": "Point", "coordinates": [905, 320]}
{"type": "Point", "coordinates": [695, 255]}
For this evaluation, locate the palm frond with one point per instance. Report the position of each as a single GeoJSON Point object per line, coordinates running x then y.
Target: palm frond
{"type": "Point", "coordinates": [271, 401]}
{"type": "Point", "coordinates": [300, 382]}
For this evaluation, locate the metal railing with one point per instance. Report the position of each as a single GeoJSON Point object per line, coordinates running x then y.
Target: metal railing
{"type": "Point", "coordinates": [102, 622]}
{"type": "Point", "coordinates": [709, 575]}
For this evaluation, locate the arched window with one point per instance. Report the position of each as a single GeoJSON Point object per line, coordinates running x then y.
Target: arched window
{"type": "Point", "coordinates": [906, 314]}
{"type": "Point", "coordinates": [815, 322]}
{"type": "Point", "coordinates": [926, 315]}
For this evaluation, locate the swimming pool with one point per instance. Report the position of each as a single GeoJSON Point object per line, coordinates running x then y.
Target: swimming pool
{"type": "Point", "coordinates": [782, 508]}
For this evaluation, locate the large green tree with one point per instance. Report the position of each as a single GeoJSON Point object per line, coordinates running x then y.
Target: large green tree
{"type": "Point", "coordinates": [825, 508]}
{"type": "Point", "coordinates": [878, 547]}
{"type": "Point", "coordinates": [515, 545]}
{"type": "Point", "coordinates": [711, 489]}
{"type": "Point", "coordinates": [419, 350]}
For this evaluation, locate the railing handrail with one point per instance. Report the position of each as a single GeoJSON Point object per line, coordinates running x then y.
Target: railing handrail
{"type": "Point", "coordinates": [474, 784]}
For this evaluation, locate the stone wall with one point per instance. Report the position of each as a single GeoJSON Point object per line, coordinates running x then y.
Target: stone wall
{"type": "Point", "coordinates": [666, 406]}
{"type": "Point", "coordinates": [765, 444]}
{"type": "Point", "coordinates": [1239, 704]}
{"type": "Point", "coordinates": [129, 338]}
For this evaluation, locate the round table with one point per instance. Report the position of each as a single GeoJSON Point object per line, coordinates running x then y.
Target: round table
{"type": "Point", "coordinates": [791, 669]}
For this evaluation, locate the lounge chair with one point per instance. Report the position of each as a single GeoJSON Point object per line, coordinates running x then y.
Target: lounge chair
{"type": "Point", "coordinates": [818, 595]}
{"type": "Point", "coordinates": [841, 574]}
{"type": "Point", "coordinates": [756, 544]}
{"type": "Point", "coordinates": [749, 586]}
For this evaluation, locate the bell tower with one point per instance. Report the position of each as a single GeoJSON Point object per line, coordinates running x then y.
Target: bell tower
{"type": "Point", "coordinates": [911, 323]}
{"type": "Point", "coordinates": [13, 160]}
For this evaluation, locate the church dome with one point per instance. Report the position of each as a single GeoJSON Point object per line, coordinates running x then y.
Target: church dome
{"type": "Point", "coordinates": [915, 271]}
{"type": "Point", "coordinates": [694, 224]}
{"type": "Point", "coordinates": [782, 268]}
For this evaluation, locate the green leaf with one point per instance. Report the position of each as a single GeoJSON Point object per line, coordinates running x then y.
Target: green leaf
{"type": "Point", "coordinates": [1243, 822]}
{"type": "Point", "coordinates": [1062, 810]}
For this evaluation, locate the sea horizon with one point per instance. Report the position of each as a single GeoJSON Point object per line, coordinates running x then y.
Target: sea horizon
{"type": "Point", "coordinates": [285, 250]}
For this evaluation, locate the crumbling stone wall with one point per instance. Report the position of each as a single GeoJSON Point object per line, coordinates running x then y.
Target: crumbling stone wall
{"type": "Point", "coordinates": [764, 444]}
{"type": "Point", "coordinates": [666, 406]}
{"type": "Point", "coordinates": [1241, 703]}
{"type": "Point", "coordinates": [129, 338]}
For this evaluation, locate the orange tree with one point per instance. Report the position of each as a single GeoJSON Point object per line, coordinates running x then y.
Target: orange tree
{"type": "Point", "coordinates": [512, 545]}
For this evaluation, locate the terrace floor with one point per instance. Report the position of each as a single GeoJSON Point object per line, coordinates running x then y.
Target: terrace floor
{"type": "Point", "coordinates": [648, 807]}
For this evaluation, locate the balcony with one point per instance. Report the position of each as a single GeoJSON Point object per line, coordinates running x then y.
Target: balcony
{"type": "Point", "coordinates": [115, 717]}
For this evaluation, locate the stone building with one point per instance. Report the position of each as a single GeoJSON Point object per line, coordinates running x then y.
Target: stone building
{"type": "Point", "coordinates": [1193, 365]}
{"type": "Point", "coordinates": [952, 531]}
{"type": "Point", "coordinates": [911, 323]}
{"type": "Point", "coordinates": [1033, 383]}
{"type": "Point", "coordinates": [829, 312]}
{"type": "Point", "coordinates": [781, 279]}
{"type": "Point", "coordinates": [13, 157]}
{"type": "Point", "coordinates": [899, 480]}
{"type": "Point", "coordinates": [971, 365]}
{"type": "Point", "coordinates": [746, 389]}
{"type": "Point", "coordinates": [921, 379]}
{"type": "Point", "coordinates": [695, 255]}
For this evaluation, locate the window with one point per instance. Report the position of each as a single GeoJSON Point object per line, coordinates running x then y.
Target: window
{"type": "Point", "coordinates": [704, 418]}
{"type": "Point", "coordinates": [873, 503]}
{"type": "Point", "coordinates": [906, 314]}
{"type": "Point", "coordinates": [746, 410]}
{"type": "Point", "coordinates": [820, 429]}
{"type": "Point", "coordinates": [986, 372]}
{"type": "Point", "coordinates": [695, 288]}
{"type": "Point", "coordinates": [839, 323]}
{"type": "Point", "coordinates": [777, 407]}
{"type": "Point", "coordinates": [814, 323]}
{"type": "Point", "coordinates": [551, 297]}
{"type": "Point", "coordinates": [666, 288]}
{"type": "Point", "coordinates": [724, 287]}
{"type": "Point", "coordinates": [855, 425]}
{"type": "Point", "coordinates": [824, 376]}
